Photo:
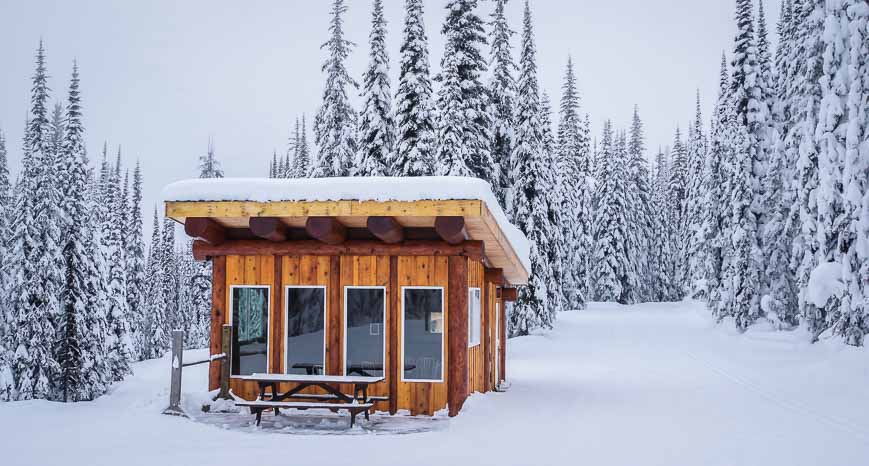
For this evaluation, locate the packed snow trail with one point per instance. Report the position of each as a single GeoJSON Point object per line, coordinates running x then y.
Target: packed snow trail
{"type": "Point", "coordinates": [653, 384]}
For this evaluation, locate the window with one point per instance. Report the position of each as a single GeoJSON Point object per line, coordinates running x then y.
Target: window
{"type": "Point", "coordinates": [474, 317]}
{"type": "Point", "coordinates": [305, 330]}
{"type": "Point", "coordinates": [364, 317]}
{"type": "Point", "coordinates": [422, 329]}
{"type": "Point", "coordinates": [250, 329]}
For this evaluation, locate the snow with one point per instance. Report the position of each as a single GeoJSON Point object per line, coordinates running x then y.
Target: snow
{"type": "Point", "coordinates": [824, 283]}
{"type": "Point", "coordinates": [373, 188]}
{"type": "Point", "coordinates": [654, 384]}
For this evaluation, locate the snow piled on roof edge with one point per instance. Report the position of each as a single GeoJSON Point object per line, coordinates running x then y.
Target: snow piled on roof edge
{"type": "Point", "coordinates": [424, 188]}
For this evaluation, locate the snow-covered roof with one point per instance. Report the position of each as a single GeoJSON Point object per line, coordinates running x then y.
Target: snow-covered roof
{"type": "Point", "coordinates": [376, 189]}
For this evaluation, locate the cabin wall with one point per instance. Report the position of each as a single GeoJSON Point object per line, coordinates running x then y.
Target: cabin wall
{"type": "Point", "coordinates": [336, 273]}
{"type": "Point", "coordinates": [477, 353]}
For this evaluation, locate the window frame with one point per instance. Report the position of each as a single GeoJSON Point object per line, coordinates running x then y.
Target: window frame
{"type": "Point", "coordinates": [382, 330]}
{"type": "Point", "coordinates": [235, 331]}
{"type": "Point", "coordinates": [286, 316]}
{"type": "Point", "coordinates": [471, 343]}
{"type": "Point", "coordinates": [404, 335]}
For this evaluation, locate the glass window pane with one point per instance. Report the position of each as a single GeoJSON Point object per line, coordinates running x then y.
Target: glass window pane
{"type": "Point", "coordinates": [306, 334]}
{"type": "Point", "coordinates": [365, 331]}
{"type": "Point", "coordinates": [474, 316]}
{"type": "Point", "coordinates": [250, 319]}
{"type": "Point", "coordinates": [423, 334]}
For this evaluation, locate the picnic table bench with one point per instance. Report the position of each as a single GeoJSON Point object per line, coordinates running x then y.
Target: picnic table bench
{"type": "Point", "coordinates": [334, 399]}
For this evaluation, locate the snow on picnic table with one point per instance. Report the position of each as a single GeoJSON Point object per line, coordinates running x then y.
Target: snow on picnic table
{"type": "Point", "coordinates": [369, 188]}
{"type": "Point", "coordinates": [653, 384]}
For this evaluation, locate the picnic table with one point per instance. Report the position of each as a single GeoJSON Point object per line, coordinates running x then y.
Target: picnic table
{"type": "Point", "coordinates": [333, 398]}
{"type": "Point", "coordinates": [363, 369]}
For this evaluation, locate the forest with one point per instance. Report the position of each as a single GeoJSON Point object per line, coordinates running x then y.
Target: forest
{"type": "Point", "coordinates": [760, 209]}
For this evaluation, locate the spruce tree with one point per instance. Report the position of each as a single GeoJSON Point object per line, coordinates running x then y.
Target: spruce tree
{"type": "Point", "coordinates": [414, 110]}
{"type": "Point", "coordinates": [808, 53]}
{"type": "Point", "coordinates": [121, 350]}
{"type": "Point", "coordinates": [853, 325]}
{"type": "Point", "coordinates": [662, 250]}
{"type": "Point", "coordinates": [743, 258]}
{"type": "Point", "coordinates": [678, 191]}
{"type": "Point", "coordinates": [502, 95]}
{"type": "Point", "coordinates": [610, 259]}
{"type": "Point", "coordinates": [573, 155]}
{"type": "Point", "coordinates": [302, 163]}
{"type": "Point", "coordinates": [135, 257]}
{"type": "Point", "coordinates": [80, 351]}
{"type": "Point", "coordinates": [376, 123]}
{"type": "Point", "coordinates": [640, 221]}
{"type": "Point", "coordinates": [694, 207]}
{"type": "Point", "coordinates": [7, 383]}
{"type": "Point", "coordinates": [335, 123]}
{"type": "Point", "coordinates": [464, 132]}
{"type": "Point", "coordinates": [714, 204]}
{"type": "Point", "coordinates": [529, 201]}
{"type": "Point", "coordinates": [156, 325]}
{"type": "Point", "coordinates": [35, 252]}
{"type": "Point", "coordinates": [557, 252]}
{"type": "Point", "coordinates": [176, 320]}
{"type": "Point", "coordinates": [209, 166]}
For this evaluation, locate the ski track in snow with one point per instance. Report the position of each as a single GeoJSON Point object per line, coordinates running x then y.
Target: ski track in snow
{"type": "Point", "coordinates": [651, 384]}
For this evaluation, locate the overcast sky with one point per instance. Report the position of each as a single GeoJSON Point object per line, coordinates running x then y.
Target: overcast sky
{"type": "Point", "coordinates": [160, 77]}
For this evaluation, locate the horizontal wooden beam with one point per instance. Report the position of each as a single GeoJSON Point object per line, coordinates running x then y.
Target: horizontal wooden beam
{"type": "Point", "coordinates": [451, 229]}
{"type": "Point", "coordinates": [471, 249]}
{"type": "Point", "coordinates": [326, 229]}
{"type": "Point", "coordinates": [205, 229]}
{"type": "Point", "coordinates": [270, 228]}
{"type": "Point", "coordinates": [495, 276]}
{"type": "Point", "coordinates": [509, 294]}
{"type": "Point", "coordinates": [237, 209]}
{"type": "Point", "coordinates": [387, 229]}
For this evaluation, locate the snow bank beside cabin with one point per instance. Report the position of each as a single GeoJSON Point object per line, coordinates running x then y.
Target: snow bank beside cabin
{"type": "Point", "coordinates": [424, 188]}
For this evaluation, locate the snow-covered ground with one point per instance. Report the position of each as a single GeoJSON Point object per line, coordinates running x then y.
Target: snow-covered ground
{"type": "Point", "coordinates": [639, 385]}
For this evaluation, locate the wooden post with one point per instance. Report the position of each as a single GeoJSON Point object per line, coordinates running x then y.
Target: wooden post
{"type": "Point", "coordinates": [174, 408]}
{"type": "Point", "coordinates": [392, 334]}
{"type": "Point", "coordinates": [226, 344]}
{"type": "Point", "coordinates": [218, 318]}
{"type": "Point", "coordinates": [457, 317]}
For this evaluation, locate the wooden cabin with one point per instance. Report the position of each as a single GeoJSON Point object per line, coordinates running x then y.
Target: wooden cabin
{"type": "Point", "coordinates": [404, 278]}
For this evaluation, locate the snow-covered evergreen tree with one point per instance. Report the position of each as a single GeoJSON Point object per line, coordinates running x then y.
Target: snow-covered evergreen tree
{"type": "Point", "coordinates": [678, 191]}
{"type": "Point", "coordinates": [573, 166]}
{"type": "Point", "coordinates": [135, 259]}
{"type": "Point", "coordinates": [502, 95]}
{"type": "Point", "coordinates": [176, 320]}
{"type": "Point", "coordinates": [554, 199]}
{"type": "Point", "coordinates": [641, 232]}
{"type": "Point", "coordinates": [695, 197]}
{"type": "Point", "coordinates": [156, 325]}
{"type": "Point", "coordinates": [209, 166]}
{"type": "Point", "coordinates": [82, 327]}
{"type": "Point", "coordinates": [808, 53]}
{"type": "Point", "coordinates": [663, 253]}
{"type": "Point", "coordinates": [464, 132]}
{"type": "Point", "coordinates": [335, 123]}
{"type": "Point", "coordinates": [376, 123]}
{"type": "Point", "coordinates": [610, 257]}
{"type": "Point", "coordinates": [35, 259]}
{"type": "Point", "coordinates": [529, 200]}
{"type": "Point", "coordinates": [714, 204]}
{"type": "Point", "coordinates": [779, 301]}
{"type": "Point", "coordinates": [7, 383]}
{"type": "Point", "coordinates": [747, 158]}
{"type": "Point", "coordinates": [121, 350]}
{"type": "Point", "coordinates": [853, 325]}
{"type": "Point", "coordinates": [414, 109]}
